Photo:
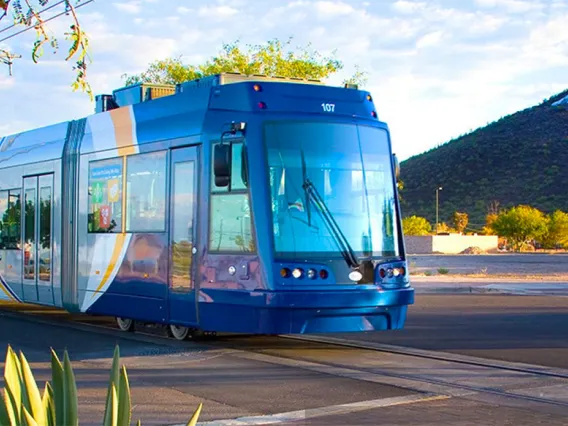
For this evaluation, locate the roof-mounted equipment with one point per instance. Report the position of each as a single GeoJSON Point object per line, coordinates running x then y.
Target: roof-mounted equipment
{"type": "Point", "coordinates": [131, 95]}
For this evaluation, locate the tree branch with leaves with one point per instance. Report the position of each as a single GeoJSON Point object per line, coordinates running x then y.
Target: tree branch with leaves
{"type": "Point", "coordinates": [270, 59]}
{"type": "Point", "coordinates": [36, 14]}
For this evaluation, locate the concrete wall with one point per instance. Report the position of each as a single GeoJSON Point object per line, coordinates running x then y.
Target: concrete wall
{"type": "Point", "coordinates": [449, 244]}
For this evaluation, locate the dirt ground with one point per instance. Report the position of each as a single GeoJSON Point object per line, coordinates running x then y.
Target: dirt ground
{"type": "Point", "coordinates": [493, 265]}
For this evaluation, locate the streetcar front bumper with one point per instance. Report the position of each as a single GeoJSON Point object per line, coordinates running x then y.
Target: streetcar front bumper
{"type": "Point", "coordinates": [299, 312]}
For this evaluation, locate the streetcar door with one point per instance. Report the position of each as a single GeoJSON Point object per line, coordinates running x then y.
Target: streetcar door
{"type": "Point", "coordinates": [37, 239]}
{"type": "Point", "coordinates": [182, 301]}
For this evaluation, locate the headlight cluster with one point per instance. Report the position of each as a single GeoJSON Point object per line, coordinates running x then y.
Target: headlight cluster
{"type": "Point", "coordinates": [299, 273]}
{"type": "Point", "coordinates": [392, 272]}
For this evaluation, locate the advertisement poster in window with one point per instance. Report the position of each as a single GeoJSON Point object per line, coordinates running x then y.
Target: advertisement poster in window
{"type": "Point", "coordinates": [113, 191]}
{"type": "Point", "coordinates": [105, 189]}
{"type": "Point", "coordinates": [104, 216]}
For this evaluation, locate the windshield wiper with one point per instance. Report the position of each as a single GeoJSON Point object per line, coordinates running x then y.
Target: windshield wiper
{"type": "Point", "coordinates": [305, 177]}
{"type": "Point", "coordinates": [346, 250]}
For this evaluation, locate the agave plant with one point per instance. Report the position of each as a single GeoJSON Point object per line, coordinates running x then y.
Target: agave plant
{"type": "Point", "coordinates": [23, 405]}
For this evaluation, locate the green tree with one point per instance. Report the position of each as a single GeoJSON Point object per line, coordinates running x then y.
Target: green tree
{"type": "Point", "coordinates": [30, 14]}
{"type": "Point", "coordinates": [520, 225]}
{"type": "Point", "coordinates": [557, 231]}
{"type": "Point", "coordinates": [444, 228]}
{"type": "Point", "coordinates": [416, 225]}
{"type": "Point", "coordinates": [489, 221]}
{"type": "Point", "coordinates": [460, 221]}
{"type": "Point", "coordinates": [269, 59]}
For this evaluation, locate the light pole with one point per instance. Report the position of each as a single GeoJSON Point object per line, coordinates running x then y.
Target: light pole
{"type": "Point", "coordinates": [437, 190]}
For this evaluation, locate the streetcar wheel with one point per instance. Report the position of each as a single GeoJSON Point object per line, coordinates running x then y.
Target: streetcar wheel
{"type": "Point", "coordinates": [125, 324]}
{"type": "Point", "coordinates": [179, 332]}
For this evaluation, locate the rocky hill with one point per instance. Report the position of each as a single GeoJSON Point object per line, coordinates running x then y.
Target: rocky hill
{"type": "Point", "coordinates": [520, 159]}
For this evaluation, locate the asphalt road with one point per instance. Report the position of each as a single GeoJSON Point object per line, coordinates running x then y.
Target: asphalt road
{"type": "Point", "coordinates": [528, 329]}
{"type": "Point", "coordinates": [169, 379]}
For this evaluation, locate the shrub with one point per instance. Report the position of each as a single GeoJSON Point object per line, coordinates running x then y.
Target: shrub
{"type": "Point", "coordinates": [22, 403]}
{"type": "Point", "coordinates": [415, 225]}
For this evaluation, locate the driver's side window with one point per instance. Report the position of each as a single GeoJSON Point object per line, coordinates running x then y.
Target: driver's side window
{"type": "Point", "coordinates": [230, 214]}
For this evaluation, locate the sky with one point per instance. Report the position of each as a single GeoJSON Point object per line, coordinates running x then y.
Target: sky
{"type": "Point", "coordinates": [436, 69]}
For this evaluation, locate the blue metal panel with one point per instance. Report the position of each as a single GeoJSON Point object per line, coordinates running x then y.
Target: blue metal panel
{"type": "Point", "coordinates": [285, 97]}
{"type": "Point", "coordinates": [32, 146]}
{"type": "Point", "coordinates": [129, 306]}
{"type": "Point", "coordinates": [171, 117]}
{"type": "Point", "coordinates": [240, 318]}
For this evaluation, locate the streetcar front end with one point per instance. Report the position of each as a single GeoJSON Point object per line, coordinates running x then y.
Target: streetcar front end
{"type": "Point", "coordinates": [316, 179]}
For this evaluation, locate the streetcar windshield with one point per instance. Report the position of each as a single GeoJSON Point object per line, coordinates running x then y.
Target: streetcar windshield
{"type": "Point", "coordinates": [350, 168]}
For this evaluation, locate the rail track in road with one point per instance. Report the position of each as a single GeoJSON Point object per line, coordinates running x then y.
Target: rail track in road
{"type": "Point", "coordinates": [426, 371]}
{"type": "Point", "coordinates": [440, 356]}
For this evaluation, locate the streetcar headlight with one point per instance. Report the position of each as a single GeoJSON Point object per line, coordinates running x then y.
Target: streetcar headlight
{"type": "Point", "coordinates": [393, 275]}
{"type": "Point", "coordinates": [355, 276]}
{"type": "Point", "coordinates": [297, 273]}
{"type": "Point", "coordinates": [312, 274]}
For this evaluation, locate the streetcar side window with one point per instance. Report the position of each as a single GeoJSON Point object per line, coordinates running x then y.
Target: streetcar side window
{"type": "Point", "coordinates": [10, 219]}
{"type": "Point", "coordinates": [231, 223]}
{"type": "Point", "coordinates": [105, 195]}
{"type": "Point", "coordinates": [146, 192]}
{"type": "Point", "coordinates": [237, 174]}
{"type": "Point", "coordinates": [3, 216]}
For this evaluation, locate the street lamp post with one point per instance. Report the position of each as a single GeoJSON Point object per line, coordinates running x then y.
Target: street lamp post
{"type": "Point", "coordinates": [437, 202]}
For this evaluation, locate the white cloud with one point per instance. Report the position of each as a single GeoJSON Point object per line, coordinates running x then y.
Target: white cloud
{"type": "Point", "coordinates": [333, 9]}
{"type": "Point", "coordinates": [408, 7]}
{"type": "Point", "coordinates": [430, 39]}
{"type": "Point", "coordinates": [217, 11]}
{"type": "Point", "coordinates": [129, 7]}
{"type": "Point", "coordinates": [6, 81]}
{"type": "Point", "coordinates": [513, 6]}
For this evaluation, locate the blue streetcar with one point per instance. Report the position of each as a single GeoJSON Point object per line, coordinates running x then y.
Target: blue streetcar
{"type": "Point", "coordinates": [225, 204]}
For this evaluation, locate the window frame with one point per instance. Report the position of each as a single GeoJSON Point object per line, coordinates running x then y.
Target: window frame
{"type": "Point", "coordinates": [42, 249]}
{"type": "Point", "coordinates": [3, 245]}
{"type": "Point", "coordinates": [4, 193]}
{"type": "Point", "coordinates": [229, 191]}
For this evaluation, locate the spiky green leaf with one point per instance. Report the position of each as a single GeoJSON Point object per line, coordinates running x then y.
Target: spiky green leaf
{"type": "Point", "coordinates": [70, 412]}
{"type": "Point", "coordinates": [58, 387]}
{"type": "Point", "coordinates": [124, 403]}
{"type": "Point", "coordinates": [13, 379]}
{"type": "Point", "coordinates": [28, 418]}
{"type": "Point", "coordinates": [195, 417]}
{"type": "Point", "coordinates": [12, 407]}
{"type": "Point", "coordinates": [7, 417]}
{"type": "Point", "coordinates": [48, 404]}
{"type": "Point", "coordinates": [33, 397]}
{"type": "Point", "coordinates": [111, 412]}
{"type": "Point", "coordinates": [114, 382]}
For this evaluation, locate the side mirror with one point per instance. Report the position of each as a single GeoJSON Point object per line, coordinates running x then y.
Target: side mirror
{"type": "Point", "coordinates": [396, 166]}
{"type": "Point", "coordinates": [222, 164]}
